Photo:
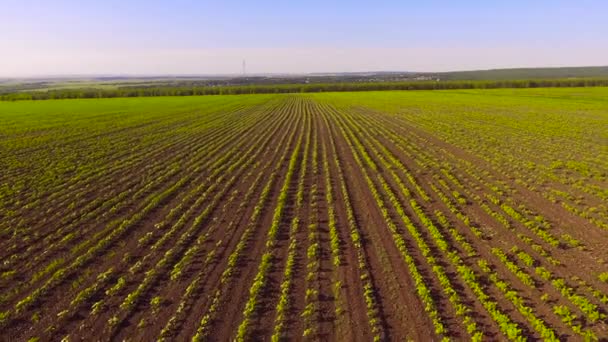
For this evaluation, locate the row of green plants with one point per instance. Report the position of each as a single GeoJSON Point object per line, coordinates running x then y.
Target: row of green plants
{"type": "Point", "coordinates": [527, 259]}
{"type": "Point", "coordinates": [455, 181]}
{"type": "Point", "coordinates": [546, 333]}
{"type": "Point", "coordinates": [216, 298]}
{"type": "Point", "coordinates": [335, 240]}
{"type": "Point", "coordinates": [152, 275]}
{"type": "Point", "coordinates": [111, 226]}
{"type": "Point", "coordinates": [535, 224]}
{"type": "Point", "coordinates": [147, 91]}
{"type": "Point", "coordinates": [261, 278]}
{"type": "Point", "coordinates": [422, 288]}
{"type": "Point", "coordinates": [367, 287]}
{"type": "Point", "coordinates": [187, 298]}
{"type": "Point", "coordinates": [511, 295]}
{"type": "Point", "coordinates": [403, 145]}
{"type": "Point", "coordinates": [562, 311]}
{"type": "Point", "coordinates": [538, 221]}
{"type": "Point", "coordinates": [438, 239]}
{"type": "Point", "coordinates": [60, 275]}
{"type": "Point", "coordinates": [236, 168]}
{"type": "Point", "coordinates": [66, 194]}
{"type": "Point", "coordinates": [310, 313]}
{"type": "Point", "coordinates": [511, 266]}
{"type": "Point", "coordinates": [139, 263]}
{"type": "Point", "coordinates": [509, 328]}
{"type": "Point", "coordinates": [285, 302]}
{"type": "Point", "coordinates": [555, 168]}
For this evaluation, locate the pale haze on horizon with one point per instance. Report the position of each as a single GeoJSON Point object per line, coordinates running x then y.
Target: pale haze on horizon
{"type": "Point", "coordinates": [66, 37]}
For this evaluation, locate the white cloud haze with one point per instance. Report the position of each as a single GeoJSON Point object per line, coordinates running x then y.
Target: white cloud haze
{"type": "Point", "coordinates": [30, 61]}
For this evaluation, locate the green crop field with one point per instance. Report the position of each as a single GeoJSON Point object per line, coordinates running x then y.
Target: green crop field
{"type": "Point", "coordinates": [471, 214]}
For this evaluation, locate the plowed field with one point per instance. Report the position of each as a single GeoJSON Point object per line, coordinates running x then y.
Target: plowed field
{"type": "Point", "coordinates": [456, 215]}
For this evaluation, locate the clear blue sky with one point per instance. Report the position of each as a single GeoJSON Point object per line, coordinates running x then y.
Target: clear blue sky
{"type": "Point", "coordinates": [210, 37]}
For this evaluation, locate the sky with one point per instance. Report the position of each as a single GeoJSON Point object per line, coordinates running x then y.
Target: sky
{"type": "Point", "coordinates": [153, 37]}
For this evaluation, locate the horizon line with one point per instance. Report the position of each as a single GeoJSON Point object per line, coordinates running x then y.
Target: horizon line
{"type": "Point", "coordinates": [261, 74]}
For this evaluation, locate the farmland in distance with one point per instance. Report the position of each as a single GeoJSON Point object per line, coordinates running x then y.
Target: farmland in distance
{"type": "Point", "coordinates": [454, 215]}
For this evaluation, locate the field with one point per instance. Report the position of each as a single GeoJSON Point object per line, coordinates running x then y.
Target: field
{"type": "Point", "coordinates": [428, 215]}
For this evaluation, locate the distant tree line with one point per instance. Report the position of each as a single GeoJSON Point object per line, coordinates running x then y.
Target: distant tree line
{"type": "Point", "coordinates": [145, 91]}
